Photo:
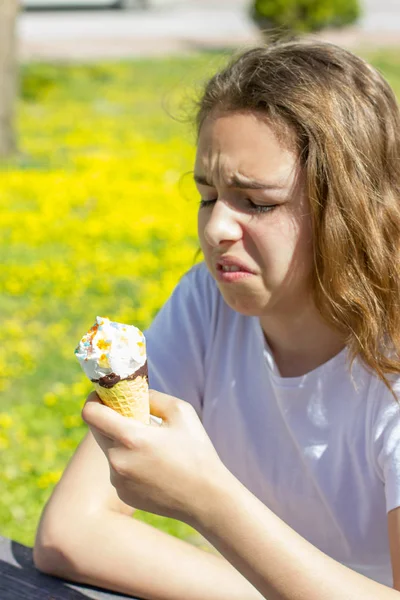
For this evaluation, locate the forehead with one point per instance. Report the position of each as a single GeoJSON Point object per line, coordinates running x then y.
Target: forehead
{"type": "Point", "coordinates": [244, 142]}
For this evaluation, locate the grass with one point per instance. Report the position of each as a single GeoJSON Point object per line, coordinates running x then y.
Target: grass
{"type": "Point", "coordinates": [95, 219]}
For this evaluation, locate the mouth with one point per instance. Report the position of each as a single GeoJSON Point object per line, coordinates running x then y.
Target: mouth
{"type": "Point", "coordinates": [231, 269]}
{"type": "Point", "coordinates": [228, 268]}
{"type": "Point", "coordinates": [232, 265]}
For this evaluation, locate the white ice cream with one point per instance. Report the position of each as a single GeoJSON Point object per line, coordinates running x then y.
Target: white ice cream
{"type": "Point", "coordinates": [110, 347]}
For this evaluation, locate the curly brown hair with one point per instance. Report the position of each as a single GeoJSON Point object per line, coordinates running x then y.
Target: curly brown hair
{"type": "Point", "coordinates": [346, 122]}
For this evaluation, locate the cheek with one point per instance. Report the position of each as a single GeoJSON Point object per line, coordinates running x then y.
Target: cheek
{"type": "Point", "coordinates": [201, 224]}
{"type": "Point", "coordinates": [275, 242]}
{"type": "Point", "coordinates": [282, 244]}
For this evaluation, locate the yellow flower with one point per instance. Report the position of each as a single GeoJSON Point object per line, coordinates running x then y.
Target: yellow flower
{"type": "Point", "coordinates": [5, 421]}
{"type": "Point", "coordinates": [48, 479]}
{"type": "Point", "coordinates": [50, 399]}
{"type": "Point", "coordinates": [4, 442]}
{"type": "Point", "coordinates": [71, 421]}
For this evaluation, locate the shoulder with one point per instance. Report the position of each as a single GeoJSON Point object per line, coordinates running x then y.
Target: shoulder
{"type": "Point", "coordinates": [191, 303]}
{"type": "Point", "coordinates": [383, 410]}
{"type": "Point", "coordinates": [387, 405]}
{"type": "Point", "coordinates": [198, 280]}
{"type": "Point", "coordinates": [386, 438]}
{"type": "Point", "coordinates": [385, 398]}
{"type": "Point", "coordinates": [198, 293]}
{"type": "Point", "coordinates": [376, 405]}
{"type": "Point", "coordinates": [381, 401]}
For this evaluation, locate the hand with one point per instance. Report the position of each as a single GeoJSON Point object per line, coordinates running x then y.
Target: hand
{"type": "Point", "coordinates": [166, 470]}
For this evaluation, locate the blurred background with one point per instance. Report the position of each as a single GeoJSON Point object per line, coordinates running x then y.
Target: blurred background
{"type": "Point", "coordinates": [97, 207]}
{"type": "Point", "coordinates": [127, 28]}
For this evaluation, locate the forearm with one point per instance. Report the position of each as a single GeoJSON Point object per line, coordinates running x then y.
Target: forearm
{"type": "Point", "coordinates": [134, 558]}
{"type": "Point", "coordinates": [280, 563]}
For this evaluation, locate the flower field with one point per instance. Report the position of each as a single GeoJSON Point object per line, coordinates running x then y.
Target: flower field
{"type": "Point", "coordinates": [97, 217]}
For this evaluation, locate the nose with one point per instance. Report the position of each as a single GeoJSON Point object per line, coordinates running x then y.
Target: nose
{"type": "Point", "coordinates": [223, 225]}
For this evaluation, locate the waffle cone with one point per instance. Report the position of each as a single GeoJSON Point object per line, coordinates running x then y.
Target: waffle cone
{"type": "Point", "coordinates": [129, 397]}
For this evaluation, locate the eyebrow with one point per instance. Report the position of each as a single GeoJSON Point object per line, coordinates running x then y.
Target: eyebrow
{"type": "Point", "coordinates": [241, 182]}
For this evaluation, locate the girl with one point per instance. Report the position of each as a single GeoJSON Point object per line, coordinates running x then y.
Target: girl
{"type": "Point", "coordinates": [285, 342]}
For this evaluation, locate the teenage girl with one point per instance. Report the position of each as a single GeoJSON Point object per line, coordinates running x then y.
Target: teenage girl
{"type": "Point", "coordinates": [276, 361]}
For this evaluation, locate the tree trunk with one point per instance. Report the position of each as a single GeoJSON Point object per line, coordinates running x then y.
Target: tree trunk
{"type": "Point", "coordinates": [8, 76]}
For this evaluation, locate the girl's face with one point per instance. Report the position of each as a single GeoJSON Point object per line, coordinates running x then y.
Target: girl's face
{"type": "Point", "coordinates": [254, 221]}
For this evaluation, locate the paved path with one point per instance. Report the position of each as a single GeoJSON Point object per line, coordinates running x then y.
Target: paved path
{"type": "Point", "coordinates": [173, 26]}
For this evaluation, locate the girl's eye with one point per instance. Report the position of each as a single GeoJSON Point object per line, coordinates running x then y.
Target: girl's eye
{"type": "Point", "coordinates": [259, 208]}
{"type": "Point", "coordinates": [250, 205]}
{"type": "Point", "coordinates": [204, 203]}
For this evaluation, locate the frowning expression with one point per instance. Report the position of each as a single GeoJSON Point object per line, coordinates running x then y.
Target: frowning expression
{"type": "Point", "coordinates": [254, 222]}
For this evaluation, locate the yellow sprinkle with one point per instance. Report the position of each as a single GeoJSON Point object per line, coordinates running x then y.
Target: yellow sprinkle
{"type": "Point", "coordinates": [103, 345]}
{"type": "Point", "coordinates": [103, 361]}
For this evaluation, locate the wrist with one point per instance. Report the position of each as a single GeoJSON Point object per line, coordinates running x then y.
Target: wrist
{"type": "Point", "coordinates": [218, 489]}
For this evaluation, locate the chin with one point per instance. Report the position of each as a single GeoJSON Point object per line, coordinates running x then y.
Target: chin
{"type": "Point", "coordinates": [248, 306]}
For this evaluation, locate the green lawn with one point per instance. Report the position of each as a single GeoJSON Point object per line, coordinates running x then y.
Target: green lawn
{"type": "Point", "coordinates": [97, 218]}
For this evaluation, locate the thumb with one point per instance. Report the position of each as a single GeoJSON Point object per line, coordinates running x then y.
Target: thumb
{"type": "Point", "coordinates": [168, 408]}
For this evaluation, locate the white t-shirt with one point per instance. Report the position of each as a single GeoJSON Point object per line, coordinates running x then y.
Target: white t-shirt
{"type": "Point", "coordinates": [322, 451]}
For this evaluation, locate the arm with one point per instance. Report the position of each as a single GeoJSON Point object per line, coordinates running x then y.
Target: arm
{"type": "Point", "coordinates": [85, 513]}
{"type": "Point", "coordinates": [394, 543]}
{"type": "Point", "coordinates": [278, 561]}
{"type": "Point", "coordinates": [174, 470]}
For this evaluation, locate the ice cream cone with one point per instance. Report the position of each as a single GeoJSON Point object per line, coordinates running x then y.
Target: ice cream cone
{"type": "Point", "coordinates": [113, 356]}
{"type": "Point", "coordinates": [129, 397]}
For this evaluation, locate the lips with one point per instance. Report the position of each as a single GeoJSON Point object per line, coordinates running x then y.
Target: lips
{"type": "Point", "coordinates": [229, 264]}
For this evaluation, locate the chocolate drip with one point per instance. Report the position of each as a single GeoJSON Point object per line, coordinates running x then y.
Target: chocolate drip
{"type": "Point", "coordinates": [108, 381]}
{"type": "Point", "coordinates": [143, 371]}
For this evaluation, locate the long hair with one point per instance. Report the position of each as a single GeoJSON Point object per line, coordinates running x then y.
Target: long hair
{"type": "Point", "coordinates": [346, 123]}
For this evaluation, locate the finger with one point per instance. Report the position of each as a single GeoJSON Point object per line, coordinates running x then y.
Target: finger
{"type": "Point", "coordinates": [90, 412]}
{"type": "Point", "coordinates": [104, 442]}
{"type": "Point", "coordinates": [110, 423]}
{"type": "Point", "coordinates": [168, 408]}
{"type": "Point", "coordinates": [93, 397]}
{"type": "Point", "coordinates": [161, 405]}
